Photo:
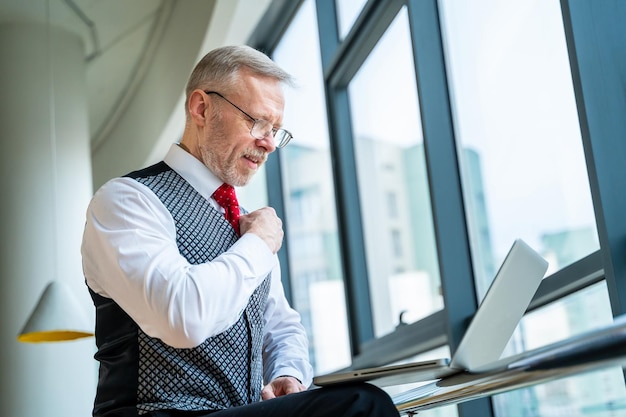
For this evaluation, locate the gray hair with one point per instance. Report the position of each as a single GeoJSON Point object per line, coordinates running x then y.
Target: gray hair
{"type": "Point", "coordinates": [220, 68]}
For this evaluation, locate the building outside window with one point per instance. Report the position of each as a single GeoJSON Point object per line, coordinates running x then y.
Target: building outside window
{"type": "Point", "coordinates": [520, 148]}
{"type": "Point", "coordinates": [315, 271]}
{"type": "Point", "coordinates": [522, 171]}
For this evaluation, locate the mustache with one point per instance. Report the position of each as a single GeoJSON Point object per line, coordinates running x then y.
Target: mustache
{"type": "Point", "coordinates": [256, 155]}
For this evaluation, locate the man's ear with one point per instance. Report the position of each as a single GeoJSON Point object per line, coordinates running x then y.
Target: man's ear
{"type": "Point", "coordinates": [198, 103]}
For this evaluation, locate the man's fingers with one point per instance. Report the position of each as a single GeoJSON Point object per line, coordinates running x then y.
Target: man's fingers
{"type": "Point", "coordinates": [267, 393]}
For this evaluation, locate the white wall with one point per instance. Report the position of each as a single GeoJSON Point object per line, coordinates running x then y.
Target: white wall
{"type": "Point", "coordinates": [45, 193]}
{"type": "Point", "coordinates": [154, 119]}
{"type": "Point", "coordinates": [44, 196]}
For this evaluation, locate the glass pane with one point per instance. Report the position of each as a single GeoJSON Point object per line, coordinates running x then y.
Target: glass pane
{"type": "Point", "coordinates": [254, 195]}
{"type": "Point", "coordinates": [316, 274]}
{"type": "Point", "coordinates": [519, 143]}
{"type": "Point", "coordinates": [594, 394]}
{"type": "Point", "coordinates": [395, 202]}
{"type": "Point", "coordinates": [524, 175]}
{"type": "Point", "coordinates": [347, 12]}
{"type": "Point", "coordinates": [597, 394]}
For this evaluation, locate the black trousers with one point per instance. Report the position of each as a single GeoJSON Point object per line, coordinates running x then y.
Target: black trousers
{"type": "Point", "coordinates": [358, 400]}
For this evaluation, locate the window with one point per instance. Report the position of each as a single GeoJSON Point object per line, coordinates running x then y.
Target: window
{"type": "Point", "coordinates": [517, 130]}
{"type": "Point", "coordinates": [600, 391]}
{"type": "Point", "coordinates": [496, 101]}
{"type": "Point", "coordinates": [254, 195]}
{"type": "Point", "coordinates": [392, 205]}
{"type": "Point", "coordinates": [347, 13]}
{"type": "Point", "coordinates": [390, 161]}
{"type": "Point", "coordinates": [316, 274]}
{"type": "Point", "coordinates": [524, 175]}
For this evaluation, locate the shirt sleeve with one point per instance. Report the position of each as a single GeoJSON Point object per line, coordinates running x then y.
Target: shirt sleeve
{"type": "Point", "coordinates": [285, 346]}
{"type": "Point", "coordinates": [130, 255]}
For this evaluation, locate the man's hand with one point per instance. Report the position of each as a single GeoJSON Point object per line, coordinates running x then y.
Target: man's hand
{"type": "Point", "coordinates": [265, 224]}
{"type": "Point", "coordinates": [282, 385]}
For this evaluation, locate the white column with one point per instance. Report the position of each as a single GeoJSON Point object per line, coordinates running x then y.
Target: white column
{"type": "Point", "coordinates": [45, 190]}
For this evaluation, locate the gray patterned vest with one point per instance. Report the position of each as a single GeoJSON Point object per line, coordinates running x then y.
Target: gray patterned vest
{"type": "Point", "coordinates": [138, 373]}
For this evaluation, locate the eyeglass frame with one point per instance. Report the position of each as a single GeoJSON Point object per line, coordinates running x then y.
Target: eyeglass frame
{"type": "Point", "coordinates": [284, 132]}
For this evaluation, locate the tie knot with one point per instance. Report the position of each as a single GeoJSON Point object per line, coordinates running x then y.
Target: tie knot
{"type": "Point", "coordinates": [225, 196]}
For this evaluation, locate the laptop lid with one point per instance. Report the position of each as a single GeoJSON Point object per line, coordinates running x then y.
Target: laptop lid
{"type": "Point", "coordinates": [486, 337]}
{"type": "Point", "coordinates": [501, 309]}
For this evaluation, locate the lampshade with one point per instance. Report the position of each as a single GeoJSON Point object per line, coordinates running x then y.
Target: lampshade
{"type": "Point", "coordinates": [57, 317]}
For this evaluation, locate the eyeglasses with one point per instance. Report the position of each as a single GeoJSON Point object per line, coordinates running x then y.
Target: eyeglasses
{"type": "Point", "coordinates": [262, 128]}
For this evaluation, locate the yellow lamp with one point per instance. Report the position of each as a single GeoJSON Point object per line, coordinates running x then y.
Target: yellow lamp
{"type": "Point", "coordinates": [56, 318]}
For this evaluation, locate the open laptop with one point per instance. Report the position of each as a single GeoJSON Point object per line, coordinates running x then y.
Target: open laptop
{"type": "Point", "coordinates": [486, 336]}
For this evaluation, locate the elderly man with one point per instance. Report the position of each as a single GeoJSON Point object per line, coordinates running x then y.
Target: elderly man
{"type": "Point", "coordinates": [191, 317]}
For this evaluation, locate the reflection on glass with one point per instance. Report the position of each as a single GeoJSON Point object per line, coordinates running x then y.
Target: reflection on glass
{"type": "Point", "coordinates": [599, 393]}
{"type": "Point", "coordinates": [347, 12]}
{"type": "Point", "coordinates": [254, 195]}
{"type": "Point", "coordinates": [314, 255]}
{"type": "Point", "coordinates": [517, 129]}
{"type": "Point", "coordinates": [524, 175]}
{"type": "Point", "coordinates": [395, 203]}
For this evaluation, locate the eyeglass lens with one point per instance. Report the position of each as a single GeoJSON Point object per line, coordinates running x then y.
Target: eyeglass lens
{"type": "Point", "coordinates": [262, 128]}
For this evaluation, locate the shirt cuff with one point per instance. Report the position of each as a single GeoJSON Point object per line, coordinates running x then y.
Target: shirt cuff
{"type": "Point", "coordinates": [290, 372]}
{"type": "Point", "coordinates": [255, 249]}
{"type": "Point", "coordinates": [288, 376]}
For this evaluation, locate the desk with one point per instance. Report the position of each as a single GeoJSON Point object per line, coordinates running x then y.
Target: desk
{"type": "Point", "coordinates": [587, 352]}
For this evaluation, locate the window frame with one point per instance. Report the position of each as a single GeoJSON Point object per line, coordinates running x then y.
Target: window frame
{"type": "Point", "coordinates": [602, 128]}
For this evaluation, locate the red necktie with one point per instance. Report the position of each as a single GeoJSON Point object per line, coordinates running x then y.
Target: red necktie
{"type": "Point", "coordinates": [225, 197]}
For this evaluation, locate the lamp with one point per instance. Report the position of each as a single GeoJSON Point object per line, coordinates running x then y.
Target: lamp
{"type": "Point", "coordinates": [56, 317]}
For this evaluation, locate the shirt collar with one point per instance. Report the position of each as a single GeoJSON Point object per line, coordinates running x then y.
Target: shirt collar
{"type": "Point", "coordinates": [192, 170]}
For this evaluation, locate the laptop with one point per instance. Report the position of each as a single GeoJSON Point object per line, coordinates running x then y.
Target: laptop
{"type": "Point", "coordinates": [486, 336]}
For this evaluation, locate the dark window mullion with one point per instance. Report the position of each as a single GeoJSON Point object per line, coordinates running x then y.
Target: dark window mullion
{"type": "Point", "coordinates": [346, 188]}
{"type": "Point", "coordinates": [350, 221]}
{"type": "Point", "coordinates": [443, 170]}
{"type": "Point", "coordinates": [445, 180]}
{"type": "Point", "coordinates": [341, 62]}
{"type": "Point", "coordinates": [273, 24]}
{"type": "Point", "coordinates": [596, 39]}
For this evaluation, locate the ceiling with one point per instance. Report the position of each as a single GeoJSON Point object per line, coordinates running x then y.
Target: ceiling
{"type": "Point", "coordinates": [116, 35]}
{"type": "Point", "coordinates": [121, 38]}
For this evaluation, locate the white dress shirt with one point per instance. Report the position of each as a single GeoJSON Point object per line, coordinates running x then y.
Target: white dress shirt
{"type": "Point", "coordinates": [130, 255]}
